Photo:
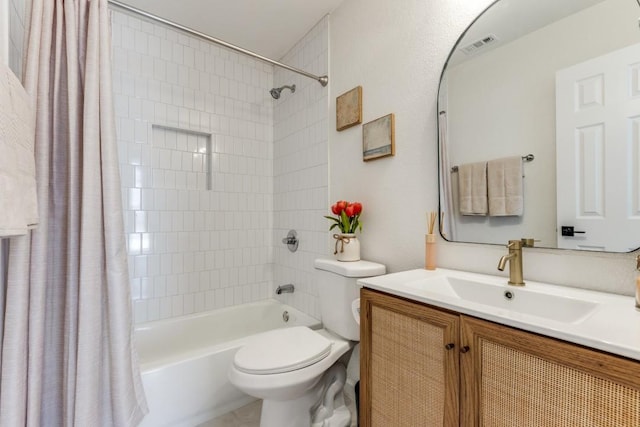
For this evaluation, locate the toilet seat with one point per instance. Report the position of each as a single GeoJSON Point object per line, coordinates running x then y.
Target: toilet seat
{"type": "Point", "coordinates": [282, 350]}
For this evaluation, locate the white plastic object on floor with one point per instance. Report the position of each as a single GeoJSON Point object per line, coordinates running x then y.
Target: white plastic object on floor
{"type": "Point", "coordinates": [331, 411]}
{"type": "Point", "coordinates": [353, 373]}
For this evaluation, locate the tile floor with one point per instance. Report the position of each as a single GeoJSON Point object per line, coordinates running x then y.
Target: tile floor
{"type": "Point", "coordinates": [249, 416]}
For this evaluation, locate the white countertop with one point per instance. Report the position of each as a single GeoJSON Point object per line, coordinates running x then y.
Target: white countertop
{"type": "Point", "coordinates": [613, 326]}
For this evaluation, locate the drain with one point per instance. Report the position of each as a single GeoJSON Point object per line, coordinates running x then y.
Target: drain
{"type": "Point", "coordinates": [285, 316]}
{"type": "Point", "coordinates": [509, 295]}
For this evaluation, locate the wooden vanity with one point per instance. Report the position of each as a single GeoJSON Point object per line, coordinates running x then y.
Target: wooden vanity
{"type": "Point", "coordinates": [424, 366]}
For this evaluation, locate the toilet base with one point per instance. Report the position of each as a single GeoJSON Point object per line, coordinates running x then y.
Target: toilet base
{"type": "Point", "coordinates": [321, 406]}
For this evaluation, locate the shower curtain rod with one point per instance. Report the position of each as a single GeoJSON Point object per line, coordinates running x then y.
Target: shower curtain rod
{"type": "Point", "coordinates": [323, 80]}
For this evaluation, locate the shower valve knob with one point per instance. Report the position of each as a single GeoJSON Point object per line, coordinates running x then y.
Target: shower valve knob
{"type": "Point", "coordinates": [291, 240]}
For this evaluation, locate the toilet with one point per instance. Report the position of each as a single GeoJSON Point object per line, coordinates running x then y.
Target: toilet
{"type": "Point", "coordinates": [296, 371]}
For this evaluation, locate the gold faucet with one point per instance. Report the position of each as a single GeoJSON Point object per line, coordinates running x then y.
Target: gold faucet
{"type": "Point", "coordinates": [515, 262]}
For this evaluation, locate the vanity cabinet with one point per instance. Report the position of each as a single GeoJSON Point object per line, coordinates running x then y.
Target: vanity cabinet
{"type": "Point", "coordinates": [409, 363]}
{"type": "Point", "coordinates": [493, 375]}
{"type": "Point", "coordinates": [511, 377]}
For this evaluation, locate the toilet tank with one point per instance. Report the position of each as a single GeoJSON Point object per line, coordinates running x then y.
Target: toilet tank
{"type": "Point", "coordinates": [337, 289]}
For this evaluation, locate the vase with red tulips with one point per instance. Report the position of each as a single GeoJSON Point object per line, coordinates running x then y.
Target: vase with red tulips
{"type": "Point", "coordinates": [347, 221]}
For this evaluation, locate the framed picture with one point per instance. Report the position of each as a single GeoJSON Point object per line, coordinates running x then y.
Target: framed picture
{"type": "Point", "coordinates": [378, 138]}
{"type": "Point", "coordinates": [349, 109]}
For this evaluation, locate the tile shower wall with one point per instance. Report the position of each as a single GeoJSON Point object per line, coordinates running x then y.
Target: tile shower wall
{"type": "Point", "coordinates": [195, 137]}
{"type": "Point", "coordinates": [301, 169]}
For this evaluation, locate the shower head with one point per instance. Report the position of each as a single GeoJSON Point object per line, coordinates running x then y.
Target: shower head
{"type": "Point", "coordinates": [275, 92]}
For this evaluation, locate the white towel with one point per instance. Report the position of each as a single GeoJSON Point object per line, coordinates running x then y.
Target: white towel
{"type": "Point", "coordinates": [504, 179]}
{"type": "Point", "coordinates": [472, 188]}
{"type": "Point", "coordinates": [18, 201]}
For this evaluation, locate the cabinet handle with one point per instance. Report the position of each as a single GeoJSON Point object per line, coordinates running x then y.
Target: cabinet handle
{"type": "Point", "coordinates": [464, 349]}
{"type": "Point", "coordinates": [449, 346]}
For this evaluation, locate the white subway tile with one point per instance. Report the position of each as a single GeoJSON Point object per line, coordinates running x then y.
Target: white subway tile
{"type": "Point", "coordinates": [177, 53]}
{"type": "Point", "coordinates": [141, 42]}
{"type": "Point", "coordinates": [140, 129]}
{"type": "Point", "coordinates": [140, 311]}
{"type": "Point", "coordinates": [146, 287]}
{"type": "Point", "coordinates": [134, 244]}
{"type": "Point", "coordinates": [171, 72]}
{"type": "Point", "coordinates": [189, 304]}
{"type": "Point", "coordinates": [196, 241]}
{"type": "Point", "coordinates": [177, 305]}
{"type": "Point", "coordinates": [134, 23]}
{"type": "Point", "coordinates": [140, 266]}
{"type": "Point", "coordinates": [183, 75]}
{"type": "Point", "coordinates": [177, 95]}
{"type": "Point", "coordinates": [165, 308]}
{"type": "Point", "coordinates": [147, 244]}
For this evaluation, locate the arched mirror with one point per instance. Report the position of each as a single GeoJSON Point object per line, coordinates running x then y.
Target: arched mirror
{"type": "Point", "coordinates": [539, 126]}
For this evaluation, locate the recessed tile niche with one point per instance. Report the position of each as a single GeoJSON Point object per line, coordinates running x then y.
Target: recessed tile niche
{"type": "Point", "coordinates": [181, 159]}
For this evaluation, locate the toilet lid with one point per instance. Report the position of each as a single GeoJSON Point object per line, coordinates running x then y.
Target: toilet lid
{"type": "Point", "coordinates": [282, 350]}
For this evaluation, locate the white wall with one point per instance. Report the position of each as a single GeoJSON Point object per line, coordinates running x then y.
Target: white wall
{"type": "Point", "coordinates": [502, 103]}
{"type": "Point", "coordinates": [396, 51]}
{"type": "Point", "coordinates": [300, 168]}
{"type": "Point", "coordinates": [190, 248]}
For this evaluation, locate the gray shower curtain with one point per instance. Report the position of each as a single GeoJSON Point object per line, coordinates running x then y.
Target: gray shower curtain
{"type": "Point", "coordinates": [66, 351]}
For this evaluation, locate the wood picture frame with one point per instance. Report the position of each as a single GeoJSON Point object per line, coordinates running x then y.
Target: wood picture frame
{"type": "Point", "coordinates": [349, 109]}
{"type": "Point", "coordinates": [378, 138]}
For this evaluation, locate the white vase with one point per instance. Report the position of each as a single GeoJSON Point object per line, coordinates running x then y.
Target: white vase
{"type": "Point", "coordinates": [347, 247]}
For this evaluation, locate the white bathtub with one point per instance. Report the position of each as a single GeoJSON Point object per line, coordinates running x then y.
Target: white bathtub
{"type": "Point", "coordinates": [184, 360]}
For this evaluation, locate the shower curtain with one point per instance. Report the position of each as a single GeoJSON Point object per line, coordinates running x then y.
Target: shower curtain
{"type": "Point", "coordinates": [448, 229]}
{"type": "Point", "coordinates": [66, 352]}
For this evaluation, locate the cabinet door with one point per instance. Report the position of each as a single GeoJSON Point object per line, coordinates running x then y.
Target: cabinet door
{"type": "Point", "coordinates": [516, 378]}
{"type": "Point", "coordinates": [409, 363]}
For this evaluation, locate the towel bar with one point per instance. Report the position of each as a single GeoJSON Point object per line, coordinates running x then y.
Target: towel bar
{"type": "Point", "coordinates": [527, 158]}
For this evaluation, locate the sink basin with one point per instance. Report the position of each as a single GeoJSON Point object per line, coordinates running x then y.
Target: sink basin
{"type": "Point", "coordinates": [509, 298]}
{"type": "Point", "coordinates": [599, 320]}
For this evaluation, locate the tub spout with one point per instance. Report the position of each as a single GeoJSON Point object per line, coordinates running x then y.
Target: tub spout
{"type": "Point", "coordinates": [285, 289]}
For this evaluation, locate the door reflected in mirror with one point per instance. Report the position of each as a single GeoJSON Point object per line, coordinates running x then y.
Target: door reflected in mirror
{"type": "Point", "coordinates": [560, 81]}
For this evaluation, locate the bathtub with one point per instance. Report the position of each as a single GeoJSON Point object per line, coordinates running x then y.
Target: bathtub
{"type": "Point", "coordinates": [184, 360]}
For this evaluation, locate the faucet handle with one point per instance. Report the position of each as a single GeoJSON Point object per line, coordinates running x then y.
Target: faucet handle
{"type": "Point", "coordinates": [528, 242]}
{"type": "Point", "coordinates": [515, 244]}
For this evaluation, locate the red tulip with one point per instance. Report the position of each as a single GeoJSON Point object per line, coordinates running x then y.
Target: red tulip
{"type": "Point", "coordinates": [348, 222]}
{"type": "Point", "coordinates": [357, 207]}
{"type": "Point", "coordinates": [339, 207]}
{"type": "Point", "coordinates": [350, 210]}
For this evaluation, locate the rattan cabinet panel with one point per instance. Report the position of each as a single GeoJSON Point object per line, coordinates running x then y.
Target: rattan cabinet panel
{"type": "Point", "coordinates": [516, 378]}
{"type": "Point", "coordinates": [410, 366]}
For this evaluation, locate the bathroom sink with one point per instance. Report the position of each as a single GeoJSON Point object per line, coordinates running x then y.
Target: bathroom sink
{"type": "Point", "coordinates": [508, 298]}
{"type": "Point", "coordinates": [599, 320]}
